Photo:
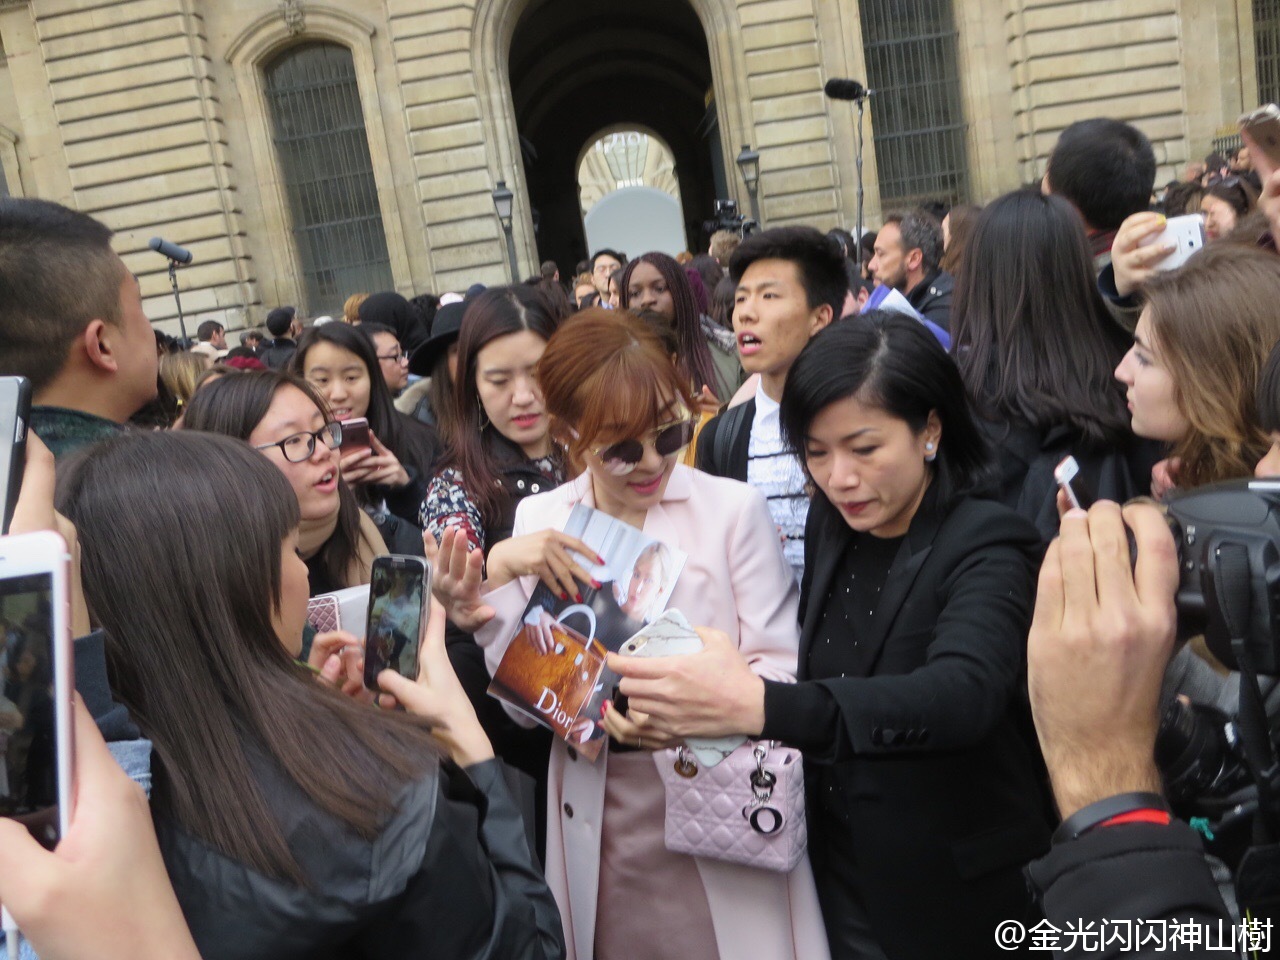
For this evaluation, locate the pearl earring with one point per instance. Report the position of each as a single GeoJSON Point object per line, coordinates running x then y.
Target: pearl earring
{"type": "Point", "coordinates": [929, 455]}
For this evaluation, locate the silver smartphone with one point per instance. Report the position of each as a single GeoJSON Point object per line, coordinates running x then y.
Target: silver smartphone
{"type": "Point", "coordinates": [37, 679]}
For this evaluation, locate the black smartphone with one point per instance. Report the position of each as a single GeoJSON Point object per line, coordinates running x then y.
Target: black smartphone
{"type": "Point", "coordinates": [15, 413]}
{"type": "Point", "coordinates": [398, 594]}
{"type": "Point", "coordinates": [36, 684]}
{"type": "Point", "coordinates": [1067, 475]}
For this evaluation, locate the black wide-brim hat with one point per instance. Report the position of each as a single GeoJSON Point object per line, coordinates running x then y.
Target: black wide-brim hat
{"type": "Point", "coordinates": [444, 331]}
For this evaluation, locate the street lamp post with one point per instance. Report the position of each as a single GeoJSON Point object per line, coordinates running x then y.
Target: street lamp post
{"type": "Point", "coordinates": [503, 201]}
{"type": "Point", "coordinates": [749, 165]}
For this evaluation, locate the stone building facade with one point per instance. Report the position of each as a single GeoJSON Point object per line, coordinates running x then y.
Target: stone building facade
{"type": "Point", "coordinates": [164, 117]}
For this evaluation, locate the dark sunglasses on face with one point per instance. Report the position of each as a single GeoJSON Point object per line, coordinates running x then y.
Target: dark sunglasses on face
{"type": "Point", "coordinates": [298, 447]}
{"type": "Point", "coordinates": [623, 457]}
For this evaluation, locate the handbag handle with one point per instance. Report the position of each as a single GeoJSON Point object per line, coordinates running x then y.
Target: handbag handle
{"type": "Point", "coordinates": [580, 608]}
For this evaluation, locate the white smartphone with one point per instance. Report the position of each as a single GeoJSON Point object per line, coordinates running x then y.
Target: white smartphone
{"type": "Point", "coordinates": [37, 680]}
{"type": "Point", "coordinates": [670, 636]}
{"type": "Point", "coordinates": [1185, 234]}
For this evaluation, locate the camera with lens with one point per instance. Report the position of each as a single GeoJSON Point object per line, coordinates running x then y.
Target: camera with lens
{"type": "Point", "coordinates": [1221, 771]}
{"type": "Point", "coordinates": [728, 217]}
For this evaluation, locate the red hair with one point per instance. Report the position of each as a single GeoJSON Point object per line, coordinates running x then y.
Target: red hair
{"type": "Point", "coordinates": [605, 376]}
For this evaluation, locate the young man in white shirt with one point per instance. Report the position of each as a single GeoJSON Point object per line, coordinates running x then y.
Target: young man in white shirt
{"type": "Point", "coordinates": [791, 282]}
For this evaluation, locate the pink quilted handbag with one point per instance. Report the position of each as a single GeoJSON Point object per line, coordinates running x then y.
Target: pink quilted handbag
{"type": "Point", "coordinates": [747, 809]}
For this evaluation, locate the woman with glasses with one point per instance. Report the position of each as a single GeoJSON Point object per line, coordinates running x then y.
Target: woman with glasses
{"type": "Point", "coordinates": [393, 361]}
{"type": "Point", "coordinates": [391, 474]}
{"type": "Point", "coordinates": [624, 411]}
{"type": "Point", "coordinates": [286, 420]}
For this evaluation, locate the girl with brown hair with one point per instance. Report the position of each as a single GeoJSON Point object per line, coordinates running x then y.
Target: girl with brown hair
{"type": "Point", "coordinates": [1193, 369]}
{"type": "Point", "coordinates": [624, 412]}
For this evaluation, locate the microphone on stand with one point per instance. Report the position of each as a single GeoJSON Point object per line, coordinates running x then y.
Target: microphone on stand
{"type": "Point", "coordinates": [176, 255]}
{"type": "Point", "coordinates": [171, 250]}
{"type": "Point", "coordinates": [841, 89]}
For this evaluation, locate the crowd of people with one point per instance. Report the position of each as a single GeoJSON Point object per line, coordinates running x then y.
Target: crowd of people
{"type": "Point", "coordinates": [852, 440]}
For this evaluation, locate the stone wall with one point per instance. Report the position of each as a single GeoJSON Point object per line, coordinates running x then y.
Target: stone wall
{"type": "Point", "coordinates": [149, 115]}
{"type": "Point", "coordinates": [121, 121]}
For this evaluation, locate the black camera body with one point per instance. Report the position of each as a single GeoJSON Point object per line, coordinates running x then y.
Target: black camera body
{"type": "Point", "coordinates": [1228, 538]}
{"type": "Point", "coordinates": [727, 217]}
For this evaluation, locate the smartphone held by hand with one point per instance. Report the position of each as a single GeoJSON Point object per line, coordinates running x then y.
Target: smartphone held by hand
{"type": "Point", "coordinates": [399, 592]}
{"type": "Point", "coordinates": [1263, 127]}
{"type": "Point", "coordinates": [1184, 234]}
{"type": "Point", "coordinates": [37, 680]}
{"type": "Point", "coordinates": [15, 413]}
{"type": "Point", "coordinates": [355, 436]}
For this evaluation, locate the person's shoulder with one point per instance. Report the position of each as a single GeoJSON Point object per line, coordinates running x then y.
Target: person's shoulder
{"type": "Point", "coordinates": [975, 522]}
{"type": "Point", "coordinates": [731, 497]}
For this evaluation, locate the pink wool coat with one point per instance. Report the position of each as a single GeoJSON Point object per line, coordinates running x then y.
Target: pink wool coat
{"type": "Point", "coordinates": [735, 580]}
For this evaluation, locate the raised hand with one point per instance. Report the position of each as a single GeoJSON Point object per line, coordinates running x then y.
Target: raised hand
{"type": "Point", "coordinates": [548, 555]}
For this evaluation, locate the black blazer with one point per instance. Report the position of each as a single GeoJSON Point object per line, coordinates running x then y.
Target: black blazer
{"type": "Point", "coordinates": [928, 801]}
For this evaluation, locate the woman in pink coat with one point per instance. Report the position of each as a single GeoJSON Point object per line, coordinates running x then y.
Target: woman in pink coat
{"type": "Point", "coordinates": [622, 409]}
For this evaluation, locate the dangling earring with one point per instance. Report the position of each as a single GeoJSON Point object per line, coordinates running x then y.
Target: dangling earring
{"type": "Point", "coordinates": [929, 454]}
{"type": "Point", "coordinates": [484, 419]}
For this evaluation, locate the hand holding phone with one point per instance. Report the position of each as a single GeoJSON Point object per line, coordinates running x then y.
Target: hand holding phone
{"type": "Point", "coordinates": [398, 593]}
{"type": "Point", "coordinates": [355, 436]}
{"type": "Point", "coordinates": [37, 680]}
{"type": "Point", "coordinates": [15, 416]}
{"type": "Point", "coordinates": [1067, 476]}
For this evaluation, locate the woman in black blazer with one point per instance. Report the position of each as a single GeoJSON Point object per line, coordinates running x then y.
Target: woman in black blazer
{"type": "Point", "coordinates": [923, 782]}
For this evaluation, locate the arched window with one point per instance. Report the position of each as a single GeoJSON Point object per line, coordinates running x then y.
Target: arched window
{"type": "Point", "coordinates": [322, 146]}
{"type": "Point", "coordinates": [919, 126]}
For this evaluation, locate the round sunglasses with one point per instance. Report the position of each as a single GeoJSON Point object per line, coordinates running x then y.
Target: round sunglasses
{"type": "Point", "coordinates": [623, 457]}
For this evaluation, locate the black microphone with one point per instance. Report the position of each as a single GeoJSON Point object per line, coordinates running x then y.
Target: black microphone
{"type": "Point", "coordinates": [838, 89]}
{"type": "Point", "coordinates": [171, 250]}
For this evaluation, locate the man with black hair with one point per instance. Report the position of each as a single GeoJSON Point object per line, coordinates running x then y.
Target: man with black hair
{"type": "Point", "coordinates": [1106, 169]}
{"type": "Point", "coordinates": [791, 283]}
{"type": "Point", "coordinates": [908, 253]}
{"type": "Point", "coordinates": [603, 264]}
{"type": "Point", "coordinates": [71, 322]}
{"type": "Point", "coordinates": [284, 326]}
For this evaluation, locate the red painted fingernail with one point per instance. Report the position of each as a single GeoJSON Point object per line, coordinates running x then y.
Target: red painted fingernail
{"type": "Point", "coordinates": [563, 595]}
{"type": "Point", "coordinates": [604, 708]}
{"type": "Point", "coordinates": [578, 597]}
{"type": "Point", "coordinates": [597, 584]}
{"type": "Point", "coordinates": [600, 560]}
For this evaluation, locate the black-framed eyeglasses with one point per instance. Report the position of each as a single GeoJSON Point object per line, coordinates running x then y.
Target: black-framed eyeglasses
{"type": "Point", "coordinates": [299, 447]}
{"type": "Point", "coordinates": [400, 357]}
{"type": "Point", "coordinates": [623, 457]}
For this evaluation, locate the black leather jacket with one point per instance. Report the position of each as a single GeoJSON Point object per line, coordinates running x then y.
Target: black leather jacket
{"type": "Point", "coordinates": [451, 875]}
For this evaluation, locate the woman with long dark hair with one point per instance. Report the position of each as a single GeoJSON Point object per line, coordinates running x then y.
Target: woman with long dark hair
{"type": "Point", "coordinates": [294, 821]}
{"type": "Point", "coordinates": [341, 363]}
{"type": "Point", "coordinates": [284, 418]}
{"type": "Point", "coordinates": [501, 450]}
{"type": "Point", "coordinates": [923, 794]}
{"type": "Point", "coordinates": [1036, 348]}
{"type": "Point", "coordinates": [708, 354]}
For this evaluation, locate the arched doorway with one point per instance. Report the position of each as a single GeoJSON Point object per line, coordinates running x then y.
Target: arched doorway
{"type": "Point", "coordinates": [576, 68]}
{"type": "Point", "coordinates": [629, 194]}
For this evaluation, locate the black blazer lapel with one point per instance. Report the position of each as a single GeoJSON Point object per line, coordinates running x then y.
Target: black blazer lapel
{"type": "Point", "coordinates": [826, 535]}
{"type": "Point", "coordinates": [902, 576]}
{"type": "Point", "coordinates": [915, 549]}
